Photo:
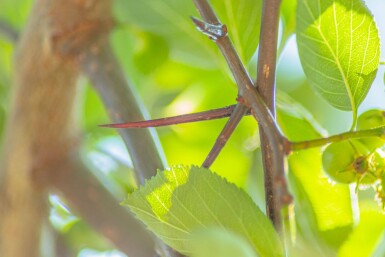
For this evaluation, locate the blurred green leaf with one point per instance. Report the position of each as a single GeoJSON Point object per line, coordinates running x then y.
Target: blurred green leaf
{"type": "Point", "coordinates": [243, 19]}
{"type": "Point", "coordinates": [295, 121]}
{"type": "Point", "coordinates": [288, 11]}
{"type": "Point", "coordinates": [171, 20]}
{"type": "Point", "coordinates": [94, 112]}
{"type": "Point", "coordinates": [15, 11]}
{"type": "Point", "coordinates": [177, 202]}
{"type": "Point", "coordinates": [339, 47]}
{"type": "Point", "coordinates": [220, 243]}
{"type": "Point", "coordinates": [151, 53]}
{"type": "Point", "coordinates": [365, 238]}
{"type": "Point", "coordinates": [323, 209]}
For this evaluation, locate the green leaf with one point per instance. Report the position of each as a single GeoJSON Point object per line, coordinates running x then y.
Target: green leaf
{"type": "Point", "coordinates": [177, 202]}
{"type": "Point", "coordinates": [366, 236]}
{"type": "Point", "coordinates": [171, 20]}
{"type": "Point", "coordinates": [339, 48]}
{"type": "Point", "coordinates": [243, 19]}
{"type": "Point", "coordinates": [219, 243]}
{"type": "Point", "coordinates": [310, 186]}
{"type": "Point", "coordinates": [288, 11]}
{"type": "Point", "coordinates": [152, 52]}
{"type": "Point", "coordinates": [295, 121]}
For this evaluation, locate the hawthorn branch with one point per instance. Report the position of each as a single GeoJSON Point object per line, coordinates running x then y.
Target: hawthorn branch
{"type": "Point", "coordinates": [253, 100]}
{"type": "Point", "coordinates": [266, 87]}
{"type": "Point", "coordinates": [236, 116]}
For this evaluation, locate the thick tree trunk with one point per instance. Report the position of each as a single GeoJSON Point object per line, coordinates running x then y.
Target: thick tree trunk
{"type": "Point", "coordinates": [38, 133]}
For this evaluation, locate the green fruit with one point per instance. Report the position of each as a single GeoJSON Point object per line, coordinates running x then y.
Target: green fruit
{"type": "Point", "coordinates": [337, 160]}
{"type": "Point", "coordinates": [369, 120]}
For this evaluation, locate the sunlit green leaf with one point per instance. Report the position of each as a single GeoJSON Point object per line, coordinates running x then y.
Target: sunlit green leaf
{"type": "Point", "coordinates": [243, 18]}
{"type": "Point", "coordinates": [177, 202]}
{"type": "Point", "coordinates": [339, 47]}
{"type": "Point", "coordinates": [220, 243]}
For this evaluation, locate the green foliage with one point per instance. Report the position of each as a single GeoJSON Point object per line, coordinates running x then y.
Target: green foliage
{"type": "Point", "coordinates": [217, 242]}
{"type": "Point", "coordinates": [339, 47]}
{"type": "Point", "coordinates": [178, 202]}
{"type": "Point", "coordinates": [368, 120]}
{"type": "Point", "coordinates": [169, 19]}
{"type": "Point", "coordinates": [242, 18]}
{"type": "Point", "coordinates": [338, 159]}
{"type": "Point", "coordinates": [365, 238]}
{"type": "Point", "coordinates": [177, 70]}
{"type": "Point", "coordinates": [310, 187]}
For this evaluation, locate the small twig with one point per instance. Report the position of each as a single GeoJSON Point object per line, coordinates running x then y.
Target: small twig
{"type": "Point", "coordinates": [296, 146]}
{"type": "Point", "coordinates": [180, 119]}
{"type": "Point", "coordinates": [9, 32]}
{"type": "Point", "coordinates": [235, 118]}
{"type": "Point", "coordinates": [260, 111]}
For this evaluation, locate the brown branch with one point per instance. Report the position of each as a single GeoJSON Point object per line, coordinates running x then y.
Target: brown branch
{"type": "Point", "coordinates": [266, 87]}
{"type": "Point", "coordinates": [99, 208]}
{"type": "Point", "coordinates": [107, 77]}
{"type": "Point", "coordinates": [180, 119]}
{"type": "Point", "coordinates": [259, 110]}
{"type": "Point", "coordinates": [232, 123]}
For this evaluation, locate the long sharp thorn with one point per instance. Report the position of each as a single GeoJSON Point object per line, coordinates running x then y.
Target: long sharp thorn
{"type": "Point", "coordinates": [185, 118]}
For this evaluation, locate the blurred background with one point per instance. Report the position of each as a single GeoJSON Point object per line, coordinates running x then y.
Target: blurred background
{"type": "Point", "coordinates": [175, 70]}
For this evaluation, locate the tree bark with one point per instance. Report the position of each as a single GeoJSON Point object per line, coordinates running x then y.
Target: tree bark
{"type": "Point", "coordinates": [39, 129]}
{"type": "Point", "coordinates": [42, 138]}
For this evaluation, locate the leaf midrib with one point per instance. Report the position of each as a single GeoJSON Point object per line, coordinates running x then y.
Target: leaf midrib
{"type": "Point", "coordinates": [346, 82]}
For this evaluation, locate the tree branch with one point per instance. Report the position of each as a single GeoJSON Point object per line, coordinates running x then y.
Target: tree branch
{"type": "Point", "coordinates": [99, 208]}
{"type": "Point", "coordinates": [266, 87]}
{"type": "Point", "coordinates": [236, 116]}
{"type": "Point", "coordinates": [259, 110]}
{"type": "Point", "coordinates": [296, 146]}
{"type": "Point", "coordinates": [107, 77]}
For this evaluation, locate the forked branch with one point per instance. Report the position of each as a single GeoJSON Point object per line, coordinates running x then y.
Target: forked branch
{"type": "Point", "coordinates": [278, 194]}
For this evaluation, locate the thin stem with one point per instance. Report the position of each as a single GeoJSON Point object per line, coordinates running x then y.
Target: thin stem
{"type": "Point", "coordinates": [260, 111]}
{"type": "Point", "coordinates": [376, 132]}
{"type": "Point", "coordinates": [180, 119]}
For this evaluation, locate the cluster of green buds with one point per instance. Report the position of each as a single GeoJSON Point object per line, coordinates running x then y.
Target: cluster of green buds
{"type": "Point", "coordinates": [360, 161]}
